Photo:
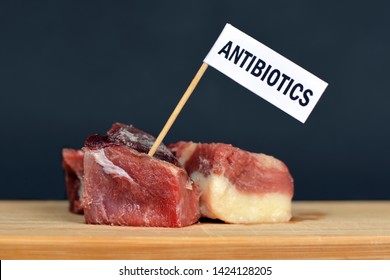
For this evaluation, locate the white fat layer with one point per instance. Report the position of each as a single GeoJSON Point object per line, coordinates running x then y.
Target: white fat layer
{"type": "Point", "coordinates": [108, 166]}
{"type": "Point", "coordinates": [128, 135]}
{"type": "Point", "coordinates": [221, 200]}
{"type": "Point", "coordinates": [144, 140]}
{"type": "Point", "coordinates": [186, 153]}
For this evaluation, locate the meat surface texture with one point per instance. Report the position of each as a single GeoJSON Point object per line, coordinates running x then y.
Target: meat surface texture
{"type": "Point", "coordinates": [73, 164]}
{"type": "Point", "coordinates": [125, 186]}
{"type": "Point", "coordinates": [237, 186]}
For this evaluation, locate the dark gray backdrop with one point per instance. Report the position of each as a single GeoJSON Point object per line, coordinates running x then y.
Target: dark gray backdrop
{"type": "Point", "coordinates": [71, 68]}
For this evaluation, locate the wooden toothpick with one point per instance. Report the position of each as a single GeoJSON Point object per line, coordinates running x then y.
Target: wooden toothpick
{"type": "Point", "coordinates": [178, 108]}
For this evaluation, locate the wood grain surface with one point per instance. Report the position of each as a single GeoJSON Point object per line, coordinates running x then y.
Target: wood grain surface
{"type": "Point", "coordinates": [318, 230]}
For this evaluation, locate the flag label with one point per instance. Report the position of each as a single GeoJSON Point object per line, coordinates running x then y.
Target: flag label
{"type": "Point", "coordinates": [266, 73]}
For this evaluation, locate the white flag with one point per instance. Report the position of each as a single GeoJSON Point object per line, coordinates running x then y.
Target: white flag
{"type": "Point", "coordinates": [266, 73]}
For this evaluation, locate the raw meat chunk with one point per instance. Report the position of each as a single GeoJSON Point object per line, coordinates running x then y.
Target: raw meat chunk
{"type": "Point", "coordinates": [237, 186]}
{"type": "Point", "coordinates": [125, 186]}
{"type": "Point", "coordinates": [72, 162]}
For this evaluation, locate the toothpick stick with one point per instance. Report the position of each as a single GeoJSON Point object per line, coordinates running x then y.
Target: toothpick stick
{"type": "Point", "coordinates": [178, 108]}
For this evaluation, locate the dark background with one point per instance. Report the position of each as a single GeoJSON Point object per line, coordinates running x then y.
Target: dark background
{"type": "Point", "coordinates": [71, 68]}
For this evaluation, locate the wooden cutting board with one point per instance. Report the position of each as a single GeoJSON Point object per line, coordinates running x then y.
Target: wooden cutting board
{"type": "Point", "coordinates": [318, 230]}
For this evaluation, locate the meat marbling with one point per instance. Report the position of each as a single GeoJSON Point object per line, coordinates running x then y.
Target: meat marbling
{"type": "Point", "coordinates": [125, 186]}
{"type": "Point", "coordinates": [237, 186]}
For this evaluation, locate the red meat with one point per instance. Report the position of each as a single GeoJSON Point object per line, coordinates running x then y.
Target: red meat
{"type": "Point", "coordinates": [125, 186]}
{"type": "Point", "coordinates": [237, 186]}
{"type": "Point", "coordinates": [72, 162]}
